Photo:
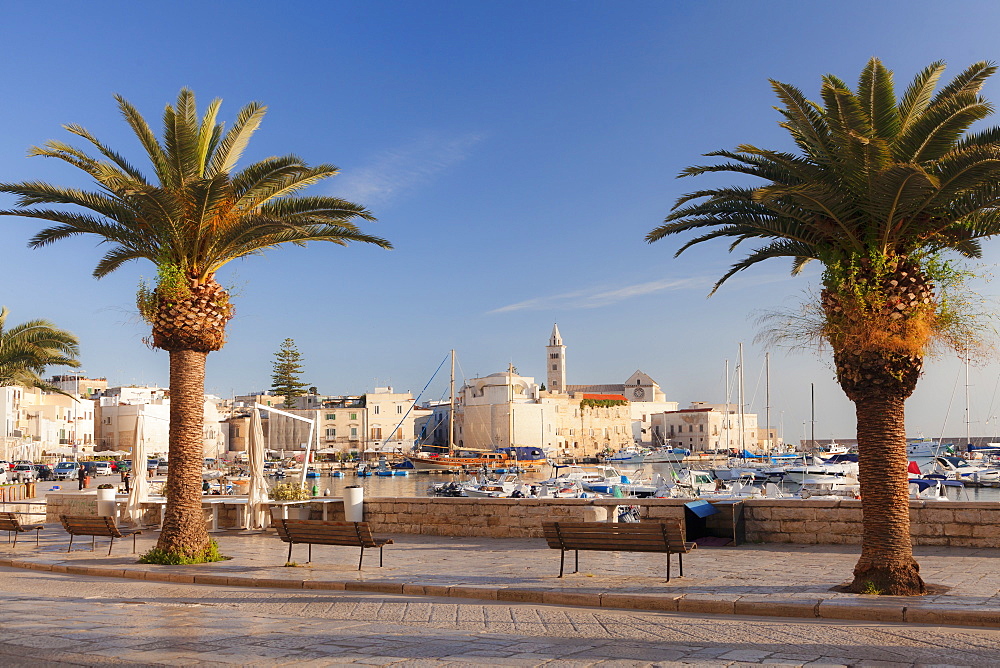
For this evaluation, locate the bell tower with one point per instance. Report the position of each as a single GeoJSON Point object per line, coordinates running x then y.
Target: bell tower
{"type": "Point", "coordinates": [555, 362]}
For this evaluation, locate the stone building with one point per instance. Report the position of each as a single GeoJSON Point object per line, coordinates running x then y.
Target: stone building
{"type": "Point", "coordinates": [708, 427]}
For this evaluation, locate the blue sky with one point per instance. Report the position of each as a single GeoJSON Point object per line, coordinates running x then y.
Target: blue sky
{"type": "Point", "coordinates": [515, 153]}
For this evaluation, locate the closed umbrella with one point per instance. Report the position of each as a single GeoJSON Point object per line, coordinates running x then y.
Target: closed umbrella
{"type": "Point", "coordinates": [139, 492]}
{"type": "Point", "coordinates": [257, 494]}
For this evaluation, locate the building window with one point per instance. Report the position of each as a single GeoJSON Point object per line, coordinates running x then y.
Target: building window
{"type": "Point", "coordinates": [331, 416]}
{"type": "Point", "coordinates": [376, 409]}
{"type": "Point", "coordinates": [354, 416]}
{"type": "Point", "coordinates": [399, 409]}
{"type": "Point", "coordinates": [554, 356]}
{"type": "Point", "coordinates": [331, 432]}
{"type": "Point", "coordinates": [701, 427]}
{"type": "Point", "coordinates": [354, 431]}
{"type": "Point", "coordinates": [376, 433]}
{"type": "Point", "coordinates": [555, 367]}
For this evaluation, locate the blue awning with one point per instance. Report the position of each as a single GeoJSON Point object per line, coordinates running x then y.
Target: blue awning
{"type": "Point", "coordinates": [701, 508]}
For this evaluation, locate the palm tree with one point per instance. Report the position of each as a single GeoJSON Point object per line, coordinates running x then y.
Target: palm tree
{"type": "Point", "coordinates": [197, 215]}
{"type": "Point", "coordinates": [26, 350]}
{"type": "Point", "coordinates": [878, 189]}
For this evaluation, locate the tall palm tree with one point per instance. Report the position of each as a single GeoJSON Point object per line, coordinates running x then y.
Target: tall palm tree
{"type": "Point", "coordinates": [26, 350]}
{"type": "Point", "coordinates": [878, 189]}
{"type": "Point", "coordinates": [196, 215]}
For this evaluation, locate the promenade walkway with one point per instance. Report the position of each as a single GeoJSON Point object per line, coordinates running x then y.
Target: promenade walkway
{"type": "Point", "coordinates": [795, 581]}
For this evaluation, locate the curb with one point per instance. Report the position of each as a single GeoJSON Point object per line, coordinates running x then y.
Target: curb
{"type": "Point", "coordinates": [893, 610]}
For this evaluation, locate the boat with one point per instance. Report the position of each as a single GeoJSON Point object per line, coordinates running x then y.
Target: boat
{"type": "Point", "coordinates": [503, 487]}
{"type": "Point", "coordinates": [933, 489]}
{"type": "Point", "coordinates": [460, 459]}
{"type": "Point", "coordinates": [832, 471]}
{"type": "Point", "coordinates": [666, 456]}
{"type": "Point", "coordinates": [924, 449]}
{"type": "Point", "coordinates": [957, 468]}
{"type": "Point", "coordinates": [626, 457]}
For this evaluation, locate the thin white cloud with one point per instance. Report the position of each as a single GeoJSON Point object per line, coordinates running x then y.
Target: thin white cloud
{"type": "Point", "coordinates": [597, 297]}
{"type": "Point", "coordinates": [393, 173]}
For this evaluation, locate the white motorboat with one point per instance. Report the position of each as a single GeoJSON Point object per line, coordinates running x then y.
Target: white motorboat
{"type": "Point", "coordinates": [924, 449]}
{"type": "Point", "coordinates": [503, 487]}
{"type": "Point", "coordinates": [822, 472]}
{"type": "Point", "coordinates": [666, 456]}
{"type": "Point", "coordinates": [957, 468]}
{"type": "Point", "coordinates": [626, 457]}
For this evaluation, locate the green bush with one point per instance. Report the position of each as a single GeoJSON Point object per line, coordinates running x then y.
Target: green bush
{"type": "Point", "coordinates": [288, 491]}
{"type": "Point", "coordinates": [163, 558]}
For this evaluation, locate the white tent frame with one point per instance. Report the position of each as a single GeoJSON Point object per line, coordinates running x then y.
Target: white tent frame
{"type": "Point", "coordinates": [312, 428]}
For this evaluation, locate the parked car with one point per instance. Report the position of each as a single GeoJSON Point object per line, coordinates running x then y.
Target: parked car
{"type": "Point", "coordinates": [65, 470]}
{"type": "Point", "coordinates": [5, 465]}
{"type": "Point", "coordinates": [97, 468]}
{"type": "Point", "coordinates": [24, 473]}
{"type": "Point", "coordinates": [44, 471]}
{"type": "Point", "coordinates": [161, 469]}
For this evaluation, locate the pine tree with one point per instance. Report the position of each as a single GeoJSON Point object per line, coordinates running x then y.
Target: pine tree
{"type": "Point", "coordinates": [287, 373]}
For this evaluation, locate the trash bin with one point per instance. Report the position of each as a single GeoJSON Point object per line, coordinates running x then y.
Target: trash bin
{"type": "Point", "coordinates": [716, 524]}
{"type": "Point", "coordinates": [354, 499]}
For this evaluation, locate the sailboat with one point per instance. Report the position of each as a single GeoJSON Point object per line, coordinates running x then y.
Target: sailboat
{"type": "Point", "coordinates": [458, 459]}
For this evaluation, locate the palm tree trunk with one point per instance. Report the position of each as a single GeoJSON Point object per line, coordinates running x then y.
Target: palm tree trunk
{"type": "Point", "coordinates": [886, 565]}
{"type": "Point", "coordinates": [184, 530]}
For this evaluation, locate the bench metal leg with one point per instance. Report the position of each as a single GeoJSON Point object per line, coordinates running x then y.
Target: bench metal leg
{"type": "Point", "coordinates": [70, 543]}
{"type": "Point", "coordinates": [680, 561]}
{"type": "Point", "coordinates": [380, 556]}
{"type": "Point", "coordinates": [576, 565]}
{"type": "Point", "coordinates": [36, 536]}
{"type": "Point", "coordinates": [309, 561]}
{"type": "Point", "coordinates": [361, 559]}
{"type": "Point", "coordinates": [134, 536]}
{"type": "Point", "coordinates": [562, 559]}
{"type": "Point", "coordinates": [111, 546]}
{"type": "Point", "coordinates": [289, 560]}
{"type": "Point", "coordinates": [93, 542]}
{"type": "Point", "coordinates": [668, 566]}
{"type": "Point", "coordinates": [15, 538]}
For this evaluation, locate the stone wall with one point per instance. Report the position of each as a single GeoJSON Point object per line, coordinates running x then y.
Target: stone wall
{"type": "Point", "coordinates": [963, 524]}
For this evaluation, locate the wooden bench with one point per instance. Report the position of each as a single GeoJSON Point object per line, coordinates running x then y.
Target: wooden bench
{"type": "Point", "coordinates": [664, 537]}
{"type": "Point", "coordinates": [11, 523]}
{"type": "Point", "coordinates": [85, 525]}
{"type": "Point", "coordinates": [320, 532]}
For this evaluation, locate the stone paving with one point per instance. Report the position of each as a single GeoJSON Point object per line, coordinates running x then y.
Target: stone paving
{"type": "Point", "coordinates": [55, 619]}
{"type": "Point", "coordinates": [762, 580]}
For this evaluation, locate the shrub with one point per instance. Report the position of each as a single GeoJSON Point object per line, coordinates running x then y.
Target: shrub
{"type": "Point", "coordinates": [288, 491]}
{"type": "Point", "coordinates": [158, 556]}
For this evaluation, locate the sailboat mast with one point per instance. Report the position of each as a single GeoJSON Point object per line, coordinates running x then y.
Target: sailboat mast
{"type": "Point", "coordinates": [743, 429]}
{"type": "Point", "coordinates": [725, 424]}
{"type": "Point", "coordinates": [451, 409]}
{"type": "Point", "coordinates": [767, 402]}
{"type": "Point", "coordinates": [968, 415]}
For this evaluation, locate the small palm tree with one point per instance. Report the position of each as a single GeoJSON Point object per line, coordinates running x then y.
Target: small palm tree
{"type": "Point", "coordinates": [878, 189]}
{"type": "Point", "coordinates": [194, 217]}
{"type": "Point", "coordinates": [26, 350]}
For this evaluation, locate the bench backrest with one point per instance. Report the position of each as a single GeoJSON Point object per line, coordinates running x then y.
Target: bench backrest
{"type": "Point", "coordinates": [613, 536]}
{"type": "Point", "coordinates": [320, 532]}
{"type": "Point", "coordinates": [82, 525]}
{"type": "Point", "coordinates": [10, 522]}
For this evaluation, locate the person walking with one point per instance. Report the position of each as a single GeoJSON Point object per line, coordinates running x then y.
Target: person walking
{"type": "Point", "coordinates": [82, 476]}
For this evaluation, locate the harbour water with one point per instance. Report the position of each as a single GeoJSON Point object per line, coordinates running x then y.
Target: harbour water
{"type": "Point", "coordinates": [417, 484]}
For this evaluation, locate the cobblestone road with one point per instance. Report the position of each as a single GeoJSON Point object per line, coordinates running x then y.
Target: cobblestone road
{"type": "Point", "coordinates": [55, 619]}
